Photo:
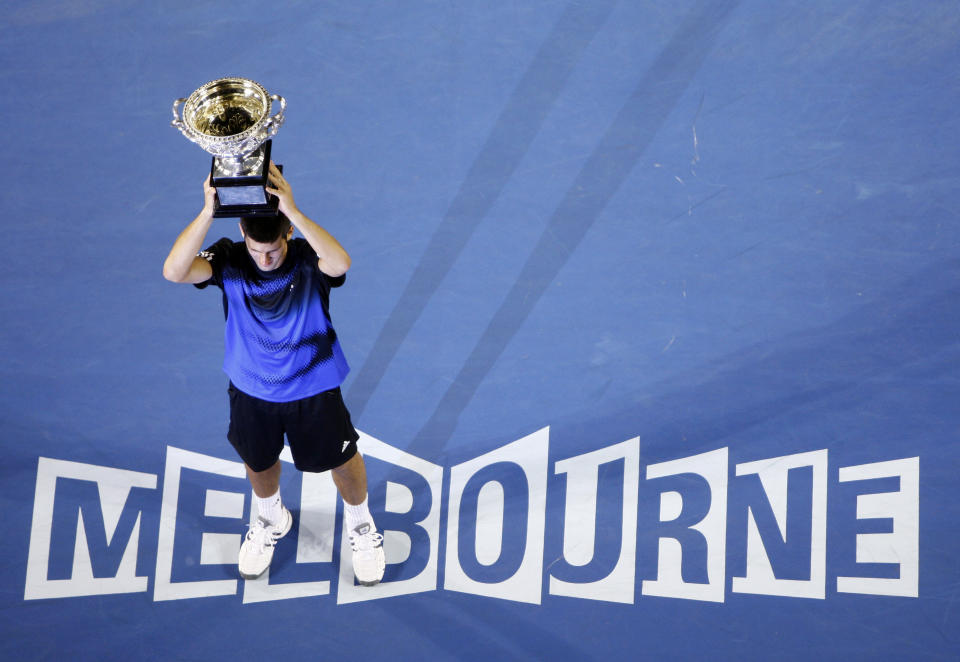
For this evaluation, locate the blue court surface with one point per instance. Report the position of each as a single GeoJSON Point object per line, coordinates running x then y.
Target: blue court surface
{"type": "Point", "coordinates": [653, 325]}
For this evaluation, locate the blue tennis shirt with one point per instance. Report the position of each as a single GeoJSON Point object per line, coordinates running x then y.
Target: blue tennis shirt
{"type": "Point", "coordinates": [279, 343]}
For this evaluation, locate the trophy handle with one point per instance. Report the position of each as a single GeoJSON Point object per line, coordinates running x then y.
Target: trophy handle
{"type": "Point", "coordinates": [177, 120]}
{"type": "Point", "coordinates": [273, 124]}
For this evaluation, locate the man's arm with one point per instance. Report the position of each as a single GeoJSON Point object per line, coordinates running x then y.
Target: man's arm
{"type": "Point", "coordinates": [333, 259]}
{"type": "Point", "coordinates": [182, 264]}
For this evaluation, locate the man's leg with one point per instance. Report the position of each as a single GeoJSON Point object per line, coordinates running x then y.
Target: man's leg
{"type": "Point", "coordinates": [256, 432]}
{"type": "Point", "coordinates": [273, 523]}
{"type": "Point", "coordinates": [266, 486]}
{"type": "Point", "coordinates": [351, 480]}
{"type": "Point", "coordinates": [368, 560]}
{"type": "Point", "coordinates": [266, 483]}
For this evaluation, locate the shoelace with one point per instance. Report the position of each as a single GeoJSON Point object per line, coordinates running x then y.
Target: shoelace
{"type": "Point", "coordinates": [260, 533]}
{"type": "Point", "coordinates": [365, 541]}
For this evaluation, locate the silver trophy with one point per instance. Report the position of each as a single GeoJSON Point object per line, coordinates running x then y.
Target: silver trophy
{"type": "Point", "coordinates": [231, 119]}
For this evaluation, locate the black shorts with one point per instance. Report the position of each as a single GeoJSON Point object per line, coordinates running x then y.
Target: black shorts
{"type": "Point", "coordinates": [318, 429]}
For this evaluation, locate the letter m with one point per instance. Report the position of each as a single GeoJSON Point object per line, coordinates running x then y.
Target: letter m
{"type": "Point", "coordinates": [85, 531]}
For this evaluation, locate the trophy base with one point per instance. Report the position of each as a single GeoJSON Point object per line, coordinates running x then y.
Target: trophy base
{"type": "Point", "coordinates": [240, 211]}
{"type": "Point", "coordinates": [243, 192]}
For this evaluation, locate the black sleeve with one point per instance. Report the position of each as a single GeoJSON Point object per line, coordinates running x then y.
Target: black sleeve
{"type": "Point", "coordinates": [336, 281]}
{"type": "Point", "coordinates": [310, 258]}
{"type": "Point", "coordinates": [217, 255]}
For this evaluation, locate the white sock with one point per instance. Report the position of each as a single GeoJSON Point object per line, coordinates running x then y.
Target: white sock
{"type": "Point", "coordinates": [270, 508]}
{"type": "Point", "coordinates": [357, 515]}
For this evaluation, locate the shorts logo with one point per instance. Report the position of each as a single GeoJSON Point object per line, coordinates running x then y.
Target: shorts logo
{"type": "Point", "coordinates": [344, 449]}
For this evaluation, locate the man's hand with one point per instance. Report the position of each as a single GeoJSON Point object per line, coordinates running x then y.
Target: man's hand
{"type": "Point", "coordinates": [332, 259]}
{"type": "Point", "coordinates": [280, 188]}
{"type": "Point", "coordinates": [209, 197]}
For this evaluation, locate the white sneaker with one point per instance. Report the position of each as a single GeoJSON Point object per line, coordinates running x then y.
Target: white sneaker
{"type": "Point", "coordinates": [368, 561]}
{"type": "Point", "coordinates": [256, 552]}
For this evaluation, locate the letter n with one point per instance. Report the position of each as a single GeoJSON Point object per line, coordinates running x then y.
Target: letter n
{"type": "Point", "coordinates": [797, 536]}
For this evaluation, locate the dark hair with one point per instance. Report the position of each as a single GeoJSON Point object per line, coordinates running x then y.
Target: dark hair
{"type": "Point", "coordinates": [265, 229]}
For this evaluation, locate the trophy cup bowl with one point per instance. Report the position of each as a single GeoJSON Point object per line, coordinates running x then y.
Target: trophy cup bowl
{"type": "Point", "coordinates": [233, 119]}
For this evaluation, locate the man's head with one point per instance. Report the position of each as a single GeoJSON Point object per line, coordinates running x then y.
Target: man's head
{"type": "Point", "coordinates": [266, 239]}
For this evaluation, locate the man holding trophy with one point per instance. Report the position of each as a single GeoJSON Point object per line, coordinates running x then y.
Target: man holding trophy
{"type": "Point", "coordinates": [282, 354]}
